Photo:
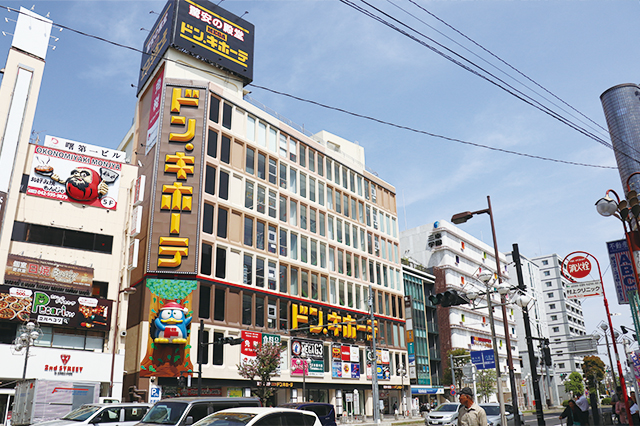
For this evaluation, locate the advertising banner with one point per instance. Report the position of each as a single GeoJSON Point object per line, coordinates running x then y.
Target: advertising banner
{"type": "Point", "coordinates": [85, 149]}
{"type": "Point", "coordinates": [156, 44]}
{"type": "Point", "coordinates": [345, 361]}
{"type": "Point", "coordinates": [154, 113]}
{"type": "Point", "coordinates": [250, 341]}
{"type": "Point", "coordinates": [52, 308]}
{"type": "Point", "coordinates": [176, 193]}
{"type": "Point", "coordinates": [481, 341]}
{"type": "Point", "coordinates": [77, 178]}
{"type": "Point", "coordinates": [622, 269]}
{"type": "Point", "coordinates": [47, 274]}
{"type": "Point", "coordinates": [307, 355]}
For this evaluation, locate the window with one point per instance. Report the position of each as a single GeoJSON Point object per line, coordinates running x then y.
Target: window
{"type": "Point", "coordinates": [248, 231]}
{"type": "Point", "coordinates": [206, 258]}
{"type": "Point", "coordinates": [273, 170]}
{"type": "Point", "coordinates": [561, 364]}
{"type": "Point", "coordinates": [225, 149]}
{"type": "Point", "coordinates": [212, 144]}
{"type": "Point", "coordinates": [303, 156]}
{"type": "Point", "coordinates": [283, 176]}
{"type": "Point", "coordinates": [261, 199]}
{"type": "Point", "coordinates": [303, 216]}
{"type": "Point", "coordinates": [292, 150]}
{"type": "Point", "coordinates": [556, 329]}
{"type": "Point", "coordinates": [210, 180]}
{"type": "Point", "coordinates": [320, 165]}
{"type": "Point", "coordinates": [214, 110]}
{"type": "Point", "coordinates": [221, 262]}
{"type": "Point", "coordinates": [251, 128]}
{"type": "Point", "coordinates": [222, 222]}
{"type": "Point", "coordinates": [547, 273]}
{"type": "Point", "coordinates": [247, 270]}
{"type": "Point", "coordinates": [552, 306]}
{"type": "Point", "coordinates": [550, 294]}
{"type": "Point", "coordinates": [248, 195]}
{"type": "Point", "coordinates": [223, 190]}
{"type": "Point", "coordinates": [49, 235]}
{"type": "Point", "coordinates": [293, 179]}
{"type": "Point", "coordinates": [283, 242]}
{"type": "Point", "coordinates": [283, 208]}
{"type": "Point", "coordinates": [272, 204]}
{"type": "Point", "coordinates": [219, 304]}
{"type": "Point", "coordinates": [259, 311]}
{"type": "Point", "coordinates": [260, 235]}
{"type": "Point", "coordinates": [283, 279]}
{"type": "Point", "coordinates": [259, 272]}
{"type": "Point", "coordinates": [303, 185]}
{"type": "Point", "coordinates": [294, 282]}
{"type": "Point", "coordinates": [548, 283]}
{"type": "Point", "coordinates": [545, 262]}
{"type": "Point", "coordinates": [226, 115]}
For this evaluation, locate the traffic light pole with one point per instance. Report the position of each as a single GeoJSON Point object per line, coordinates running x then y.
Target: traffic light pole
{"type": "Point", "coordinates": [202, 344]}
{"type": "Point", "coordinates": [527, 331]}
{"type": "Point", "coordinates": [374, 362]}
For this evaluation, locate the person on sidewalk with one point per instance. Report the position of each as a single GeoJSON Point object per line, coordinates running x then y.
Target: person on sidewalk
{"type": "Point", "coordinates": [621, 411]}
{"type": "Point", "coordinates": [633, 409]}
{"type": "Point", "coordinates": [583, 404]}
{"type": "Point", "coordinates": [572, 413]}
{"type": "Point", "coordinates": [470, 414]}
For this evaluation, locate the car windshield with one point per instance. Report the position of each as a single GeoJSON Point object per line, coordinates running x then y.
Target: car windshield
{"type": "Point", "coordinates": [165, 413]}
{"type": "Point", "coordinates": [491, 410]}
{"type": "Point", "coordinates": [81, 414]}
{"type": "Point", "coordinates": [226, 419]}
{"type": "Point", "coordinates": [447, 407]}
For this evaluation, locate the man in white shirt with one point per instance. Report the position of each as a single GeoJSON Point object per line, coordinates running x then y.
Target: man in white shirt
{"type": "Point", "coordinates": [583, 404]}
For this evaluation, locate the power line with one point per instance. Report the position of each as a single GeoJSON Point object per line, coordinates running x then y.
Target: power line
{"type": "Point", "coordinates": [343, 110]}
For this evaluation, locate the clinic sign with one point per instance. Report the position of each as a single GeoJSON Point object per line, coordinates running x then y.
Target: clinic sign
{"type": "Point", "coordinates": [622, 269]}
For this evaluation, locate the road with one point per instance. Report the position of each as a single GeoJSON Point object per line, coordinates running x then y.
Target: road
{"type": "Point", "coordinates": [550, 418]}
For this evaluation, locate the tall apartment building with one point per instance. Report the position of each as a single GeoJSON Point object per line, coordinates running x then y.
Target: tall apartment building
{"type": "Point", "coordinates": [457, 258]}
{"type": "Point", "coordinates": [564, 317]}
{"type": "Point", "coordinates": [425, 377]}
{"type": "Point", "coordinates": [64, 214]}
{"type": "Point", "coordinates": [538, 322]}
{"type": "Point", "coordinates": [256, 229]}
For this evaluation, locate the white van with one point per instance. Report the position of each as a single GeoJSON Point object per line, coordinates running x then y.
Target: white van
{"type": "Point", "coordinates": [124, 414]}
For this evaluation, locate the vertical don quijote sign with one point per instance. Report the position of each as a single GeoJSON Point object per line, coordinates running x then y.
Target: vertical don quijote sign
{"type": "Point", "coordinates": [174, 233]}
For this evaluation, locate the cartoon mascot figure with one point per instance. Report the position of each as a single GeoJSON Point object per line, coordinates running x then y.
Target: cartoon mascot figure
{"type": "Point", "coordinates": [172, 324]}
{"type": "Point", "coordinates": [84, 184]}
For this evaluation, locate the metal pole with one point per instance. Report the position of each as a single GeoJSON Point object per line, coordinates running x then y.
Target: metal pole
{"type": "Point", "coordinates": [26, 359]}
{"type": "Point", "coordinates": [505, 322]}
{"type": "Point", "coordinates": [200, 350]}
{"type": "Point", "coordinates": [503, 419]}
{"type": "Point", "coordinates": [473, 375]}
{"type": "Point", "coordinates": [374, 362]}
{"type": "Point", "coordinates": [606, 338]}
{"type": "Point", "coordinates": [527, 331]}
{"type": "Point", "coordinates": [304, 381]}
{"type": "Point", "coordinates": [630, 363]}
{"type": "Point", "coordinates": [453, 371]}
{"type": "Point", "coordinates": [115, 344]}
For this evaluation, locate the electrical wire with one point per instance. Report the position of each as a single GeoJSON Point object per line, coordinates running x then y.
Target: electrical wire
{"type": "Point", "coordinates": [353, 113]}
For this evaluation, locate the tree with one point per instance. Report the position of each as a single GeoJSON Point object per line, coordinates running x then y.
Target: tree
{"type": "Point", "coordinates": [263, 367]}
{"type": "Point", "coordinates": [486, 383]}
{"type": "Point", "coordinates": [593, 369]}
{"type": "Point", "coordinates": [574, 384]}
{"type": "Point", "coordinates": [458, 363]}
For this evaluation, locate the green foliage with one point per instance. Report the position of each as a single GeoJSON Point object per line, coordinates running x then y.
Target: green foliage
{"type": "Point", "coordinates": [172, 289]}
{"type": "Point", "coordinates": [565, 403]}
{"type": "Point", "coordinates": [486, 383]}
{"type": "Point", "coordinates": [574, 384]}
{"type": "Point", "coordinates": [263, 367]}
{"type": "Point", "coordinates": [606, 401]}
{"type": "Point", "coordinates": [593, 369]}
{"type": "Point", "coordinates": [458, 363]}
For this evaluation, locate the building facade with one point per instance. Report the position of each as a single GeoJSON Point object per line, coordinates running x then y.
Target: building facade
{"type": "Point", "coordinates": [256, 230]}
{"type": "Point", "coordinates": [457, 258]}
{"type": "Point", "coordinates": [564, 317]}
{"type": "Point", "coordinates": [64, 216]}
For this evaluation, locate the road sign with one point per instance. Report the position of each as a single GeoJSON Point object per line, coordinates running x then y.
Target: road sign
{"type": "Point", "coordinates": [579, 267]}
{"type": "Point", "coordinates": [483, 359]}
{"type": "Point", "coordinates": [583, 289]}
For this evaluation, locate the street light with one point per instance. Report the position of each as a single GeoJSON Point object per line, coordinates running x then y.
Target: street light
{"type": "Point", "coordinates": [402, 372]}
{"type": "Point", "coordinates": [462, 218]}
{"type": "Point", "coordinates": [29, 333]}
{"type": "Point", "coordinates": [116, 332]}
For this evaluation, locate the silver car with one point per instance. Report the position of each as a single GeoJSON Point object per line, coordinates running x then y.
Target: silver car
{"type": "Point", "coordinates": [493, 414]}
{"type": "Point", "coordinates": [444, 415]}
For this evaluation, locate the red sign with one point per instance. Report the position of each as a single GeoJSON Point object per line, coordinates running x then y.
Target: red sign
{"type": "Point", "coordinates": [346, 353]}
{"type": "Point", "coordinates": [579, 267]}
{"type": "Point", "coordinates": [250, 341]}
{"type": "Point", "coordinates": [452, 388]}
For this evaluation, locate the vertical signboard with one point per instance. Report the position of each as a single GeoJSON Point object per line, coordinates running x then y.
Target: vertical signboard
{"type": "Point", "coordinates": [622, 269]}
{"type": "Point", "coordinates": [345, 361]}
{"type": "Point", "coordinates": [307, 357]}
{"type": "Point", "coordinates": [175, 206]}
{"type": "Point", "coordinates": [156, 44]}
{"type": "Point", "coordinates": [408, 314]}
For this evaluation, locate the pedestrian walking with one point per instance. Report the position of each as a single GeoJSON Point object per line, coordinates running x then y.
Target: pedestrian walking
{"type": "Point", "coordinates": [583, 405]}
{"type": "Point", "coordinates": [633, 409]}
{"type": "Point", "coordinates": [621, 411]}
{"type": "Point", "coordinates": [572, 413]}
{"type": "Point", "coordinates": [470, 414]}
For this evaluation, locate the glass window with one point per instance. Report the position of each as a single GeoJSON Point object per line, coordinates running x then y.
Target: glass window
{"type": "Point", "coordinates": [226, 115]}
{"type": "Point", "coordinates": [247, 270]}
{"type": "Point", "coordinates": [222, 222]}
{"type": "Point", "coordinates": [303, 155]}
{"type": "Point", "coordinates": [329, 198]}
{"type": "Point", "coordinates": [332, 262]}
{"type": "Point", "coordinates": [283, 208]}
{"type": "Point", "coordinates": [339, 230]}
{"type": "Point", "coordinates": [314, 252]}
{"type": "Point", "coordinates": [348, 258]}
{"type": "Point", "coordinates": [347, 234]}
{"type": "Point", "coordinates": [354, 212]}
{"type": "Point", "coordinates": [312, 160]}
{"type": "Point", "coordinates": [283, 279]}
{"type": "Point", "coordinates": [341, 298]}
{"type": "Point", "coordinates": [283, 146]}
{"type": "Point", "coordinates": [312, 189]}
{"type": "Point", "coordinates": [272, 275]}
{"type": "Point", "coordinates": [259, 311]}
{"type": "Point", "coordinates": [332, 291]}
{"type": "Point", "coordinates": [212, 144]}
{"type": "Point", "coordinates": [261, 199]}
{"type": "Point", "coordinates": [338, 202]}
{"type": "Point", "coordinates": [350, 295]}
{"type": "Point", "coordinates": [329, 169]}
{"type": "Point", "coordinates": [272, 204]}
{"type": "Point", "coordinates": [221, 262]}
{"type": "Point", "coordinates": [206, 259]}
{"type": "Point", "coordinates": [293, 178]}
{"type": "Point", "coordinates": [360, 185]}
{"type": "Point", "coordinates": [214, 110]}
{"type": "Point", "coordinates": [273, 140]}
{"type": "Point", "coordinates": [272, 239]}
{"type": "Point", "coordinates": [284, 318]}
{"type": "Point", "coordinates": [219, 304]}
{"type": "Point", "coordinates": [246, 309]}
{"type": "Point", "coordinates": [205, 301]}
{"type": "Point", "coordinates": [259, 272]}
{"type": "Point", "coordinates": [304, 284]}
{"type": "Point", "coordinates": [207, 222]}
{"type": "Point", "coordinates": [273, 171]}
{"type": "Point", "coordinates": [303, 185]}
{"type": "Point", "coordinates": [225, 149]}
{"type": "Point", "coordinates": [323, 288]}
{"type": "Point", "coordinates": [303, 216]}
{"type": "Point", "coordinates": [283, 176]}
{"type": "Point", "coordinates": [355, 237]}
{"type": "Point", "coordinates": [283, 242]}
{"type": "Point", "coordinates": [210, 180]}
{"type": "Point", "coordinates": [345, 184]}
{"type": "Point", "coordinates": [260, 235]}
{"type": "Point", "coordinates": [293, 151]}
{"type": "Point", "coordinates": [294, 245]}
{"type": "Point", "coordinates": [248, 231]}
{"type": "Point", "coordinates": [262, 134]}
{"type": "Point", "coordinates": [251, 128]}
{"type": "Point", "coordinates": [323, 255]}
{"type": "Point", "coordinates": [294, 282]}
{"type": "Point", "coordinates": [314, 286]}
{"type": "Point", "coordinates": [321, 225]}
{"type": "Point", "coordinates": [312, 220]}
{"type": "Point", "coordinates": [248, 195]}
{"type": "Point", "coordinates": [340, 262]}
{"type": "Point", "coordinates": [303, 249]}
{"type": "Point", "coordinates": [345, 198]}
{"type": "Point", "coordinates": [366, 189]}
{"type": "Point", "coordinates": [293, 212]}
{"type": "Point", "coordinates": [321, 193]}
{"type": "Point", "coordinates": [262, 159]}
{"type": "Point", "coordinates": [330, 227]}
{"type": "Point", "coordinates": [336, 173]}
{"type": "Point", "coordinates": [223, 190]}
{"type": "Point", "coordinates": [320, 165]}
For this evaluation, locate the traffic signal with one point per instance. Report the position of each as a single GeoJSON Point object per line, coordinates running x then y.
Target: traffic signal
{"type": "Point", "coordinates": [634, 205]}
{"type": "Point", "coordinates": [448, 298]}
{"type": "Point", "coordinates": [229, 341]}
{"type": "Point", "coordinates": [546, 351]}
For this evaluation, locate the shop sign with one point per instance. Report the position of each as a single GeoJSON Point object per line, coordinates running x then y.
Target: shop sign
{"type": "Point", "coordinates": [345, 361]}
{"type": "Point", "coordinates": [234, 392]}
{"type": "Point", "coordinates": [48, 274]}
{"type": "Point", "coordinates": [622, 269]}
{"type": "Point", "coordinates": [583, 289]}
{"type": "Point", "coordinates": [138, 190]}
{"type": "Point", "coordinates": [250, 342]}
{"type": "Point", "coordinates": [578, 267]}
{"type": "Point", "coordinates": [314, 320]}
{"type": "Point", "coordinates": [85, 149]}
{"type": "Point", "coordinates": [175, 206]}
{"type": "Point", "coordinates": [282, 384]}
{"type": "Point", "coordinates": [481, 341]}
{"type": "Point", "coordinates": [307, 357]}
{"type": "Point", "coordinates": [382, 364]}
{"type": "Point", "coordinates": [46, 307]}
{"type": "Point", "coordinates": [63, 368]}
{"type": "Point", "coordinates": [204, 392]}
{"type": "Point", "coordinates": [77, 178]}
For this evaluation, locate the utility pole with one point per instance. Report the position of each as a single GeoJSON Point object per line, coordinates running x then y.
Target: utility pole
{"type": "Point", "coordinates": [527, 331]}
{"type": "Point", "coordinates": [374, 362]}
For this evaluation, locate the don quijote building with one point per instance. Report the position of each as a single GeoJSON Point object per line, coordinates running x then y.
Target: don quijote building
{"type": "Point", "coordinates": [256, 229]}
{"type": "Point", "coordinates": [64, 213]}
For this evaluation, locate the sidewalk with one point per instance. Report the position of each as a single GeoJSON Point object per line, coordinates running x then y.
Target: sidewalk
{"type": "Point", "coordinates": [387, 420]}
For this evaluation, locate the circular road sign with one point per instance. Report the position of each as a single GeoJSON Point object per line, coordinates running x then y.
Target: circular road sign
{"type": "Point", "coordinates": [452, 388]}
{"type": "Point", "coordinates": [579, 267]}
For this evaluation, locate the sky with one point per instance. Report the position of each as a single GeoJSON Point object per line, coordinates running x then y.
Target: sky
{"type": "Point", "coordinates": [325, 51]}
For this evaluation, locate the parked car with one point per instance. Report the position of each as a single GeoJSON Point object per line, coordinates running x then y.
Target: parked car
{"type": "Point", "coordinates": [325, 412]}
{"type": "Point", "coordinates": [188, 410]}
{"type": "Point", "coordinates": [445, 414]}
{"type": "Point", "coordinates": [122, 413]}
{"type": "Point", "coordinates": [261, 416]}
{"type": "Point", "coordinates": [492, 410]}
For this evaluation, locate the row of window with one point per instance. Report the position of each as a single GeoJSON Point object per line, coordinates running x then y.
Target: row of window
{"type": "Point", "coordinates": [52, 236]}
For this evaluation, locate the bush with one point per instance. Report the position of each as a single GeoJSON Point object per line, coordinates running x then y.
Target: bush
{"type": "Point", "coordinates": [606, 401]}
{"type": "Point", "coordinates": [565, 403]}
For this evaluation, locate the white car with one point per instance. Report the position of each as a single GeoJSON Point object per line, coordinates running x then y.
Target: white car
{"type": "Point", "coordinates": [260, 416]}
{"type": "Point", "coordinates": [444, 415]}
{"type": "Point", "coordinates": [122, 414]}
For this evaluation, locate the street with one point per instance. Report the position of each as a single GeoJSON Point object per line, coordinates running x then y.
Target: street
{"type": "Point", "coordinates": [551, 417]}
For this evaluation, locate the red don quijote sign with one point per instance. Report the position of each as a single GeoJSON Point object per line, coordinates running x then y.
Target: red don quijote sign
{"type": "Point", "coordinates": [578, 267]}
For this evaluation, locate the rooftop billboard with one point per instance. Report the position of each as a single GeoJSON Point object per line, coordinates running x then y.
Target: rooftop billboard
{"type": "Point", "coordinates": [203, 30]}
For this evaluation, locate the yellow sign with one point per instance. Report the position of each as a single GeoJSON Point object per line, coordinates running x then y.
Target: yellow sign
{"type": "Point", "coordinates": [314, 320]}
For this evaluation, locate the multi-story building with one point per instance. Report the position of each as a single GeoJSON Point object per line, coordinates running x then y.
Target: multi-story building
{"type": "Point", "coordinates": [254, 229]}
{"type": "Point", "coordinates": [538, 321]}
{"type": "Point", "coordinates": [426, 382]}
{"type": "Point", "coordinates": [564, 317]}
{"type": "Point", "coordinates": [457, 258]}
{"type": "Point", "coordinates": [64, 212]}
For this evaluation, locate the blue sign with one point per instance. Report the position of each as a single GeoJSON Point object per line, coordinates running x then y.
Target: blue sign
{"type": "Point", "coordinates": [483, 360]}
{"type": "Point", "coordinates": [622, 269]}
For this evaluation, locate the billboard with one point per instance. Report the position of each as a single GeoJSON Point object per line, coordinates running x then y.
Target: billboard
{"type": "Point", "coordinates": [345, 361]}
{"type": "Point", "coordinates": [48, 274]}
{"type": "Point", "coordinates": [52, 308]}
{"type": "Point", "coordinates": [74, 177]}
{"type": "Point", "coordinates": [85, 149]}
{"type": "Point", "coordinates": [201, 29]}
{"type": "Point", "coordinates": [622, 269]}
{"type": "Point", "coordinates": [176, 195]}
{"type": "Point", "coordinates": [307, 357]}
